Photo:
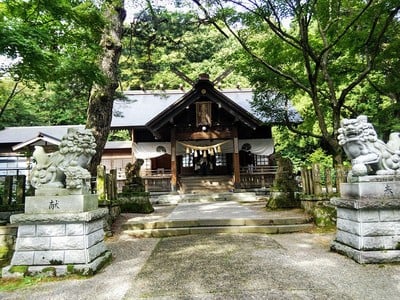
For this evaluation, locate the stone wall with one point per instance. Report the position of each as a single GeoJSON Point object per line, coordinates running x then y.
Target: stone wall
{"type": "Point", "coordinates": [323, 213]}
{"type": "Point", "coordinates": [369, 229]}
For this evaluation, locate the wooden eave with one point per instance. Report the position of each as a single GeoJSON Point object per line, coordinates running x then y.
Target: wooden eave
{"type": "Point", "coordinates": [203, 89]}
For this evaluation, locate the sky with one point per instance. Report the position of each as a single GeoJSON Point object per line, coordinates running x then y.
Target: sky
{"type": "Point", "coordinates": [134, 6]}
{"type": "Point", "coordinates": [131, 6]}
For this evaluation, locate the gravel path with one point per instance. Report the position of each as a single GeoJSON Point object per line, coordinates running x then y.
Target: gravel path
{"type": "Point", "coordinates": [226, 266]}
{"type": "Point", "coordinates": [292, 266]}
{"type": "Point", "coordinates": [112, 282]}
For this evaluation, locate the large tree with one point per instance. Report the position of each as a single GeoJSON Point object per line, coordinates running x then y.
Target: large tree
{"type": "Point", "coordinates": [322, 49]}
{"type": "Point", "coordinates": [99, 113]}
{"type": "Point", "coordinates": [47, 41]}
{"type": "Point", "coordinates": [72, 46]}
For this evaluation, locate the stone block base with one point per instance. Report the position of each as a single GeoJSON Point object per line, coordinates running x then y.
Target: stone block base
{"type": "Point", "coordinates": [55, 204]}
{"type": "Point", "coordinates": [366, 257]}
{"type": "Point", "coordinates": [58, 242]}
{"type": "Point", "coordinates": [368, 229]}
{"type": "Point", "coordinates": [58, 270]}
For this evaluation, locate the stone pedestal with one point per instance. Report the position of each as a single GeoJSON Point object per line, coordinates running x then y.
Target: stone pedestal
{"type": "Point", "coordinates": [59, 234]}
{"type": "Point", "coordinates": [368, 220]}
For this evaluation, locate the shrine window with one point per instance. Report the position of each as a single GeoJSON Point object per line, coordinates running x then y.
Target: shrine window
{"type": "Point", "coordinates": [261, 160]}
{"type": "Point", "coordinates": [220, 160]}
{"type": "Point", "coordinates": [187, 161]}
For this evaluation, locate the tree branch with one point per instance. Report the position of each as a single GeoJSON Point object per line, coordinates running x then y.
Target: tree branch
{"type": "Point", "coordinates": [347, 28]}
{"type": "Point", "coordinates": [13, 93]}
{"type": "Point", "coordinates": [209, 18]}
{"type": "Point", "coordinates": [371, 58]}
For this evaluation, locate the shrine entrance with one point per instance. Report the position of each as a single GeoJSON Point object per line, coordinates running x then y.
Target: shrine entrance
{"type": "Point", "coordinates": [204, 132]}
{"type": "Point", "coordinates": [204, 158]}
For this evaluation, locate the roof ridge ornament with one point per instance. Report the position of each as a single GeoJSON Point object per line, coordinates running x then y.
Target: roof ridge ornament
{"type": "Point", "coordinates": [202, 76]}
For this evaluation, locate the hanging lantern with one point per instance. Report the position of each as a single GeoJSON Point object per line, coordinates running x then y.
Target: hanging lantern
{"type": "Point", "coordinates": [195, 153]}
{"type": "Point", "coordinates": [187, 150]}
{"type": "Point", "coordinates": [219, 149]}
{"type": "Point", "coordinates": [200, 152]}
{"type": "Point", "coordinates": [204, 153]}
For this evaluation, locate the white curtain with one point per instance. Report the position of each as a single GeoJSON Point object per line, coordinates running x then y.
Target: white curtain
{"type": "Point", "coordinates": [259, 146]}
{"type": "Point", "coordinates": [150, 149]}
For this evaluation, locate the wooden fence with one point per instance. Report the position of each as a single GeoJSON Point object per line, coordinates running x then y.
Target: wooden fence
{"type": "Point", "coordinates": [106, 184]}
{"type": "Point", "coordinates": [318, 180]}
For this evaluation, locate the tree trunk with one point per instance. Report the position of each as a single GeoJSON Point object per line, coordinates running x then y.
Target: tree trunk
{"type": "Point", "coordinates": [101, 100]}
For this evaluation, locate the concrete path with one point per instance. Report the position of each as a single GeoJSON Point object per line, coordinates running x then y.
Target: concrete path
{"type": "Point", "coordinates": [224, 266]}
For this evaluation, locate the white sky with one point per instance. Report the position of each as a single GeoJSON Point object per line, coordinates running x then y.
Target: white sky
{"type": "Point", "coordinates": [134, 6]}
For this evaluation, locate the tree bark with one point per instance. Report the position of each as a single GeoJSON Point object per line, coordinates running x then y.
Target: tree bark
{"type": "Point", "coordinates": [99, 113]}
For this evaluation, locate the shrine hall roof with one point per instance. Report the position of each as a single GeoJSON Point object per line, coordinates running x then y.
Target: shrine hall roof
{"type": "Point", "coordinates": [137, 109]}
{"type": "Point", "coordinates": [140, 107]}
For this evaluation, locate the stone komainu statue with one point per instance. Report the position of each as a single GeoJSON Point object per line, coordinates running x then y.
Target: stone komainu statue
{"type": "Point", "coordinates": [368, 154]}
{"type": "Point", "coordinates": [68, 166]}
{"type": "Point", "coordinates": [134, 182]}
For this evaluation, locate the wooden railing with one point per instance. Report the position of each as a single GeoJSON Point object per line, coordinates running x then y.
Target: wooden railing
{"type": "Point", "coordinates": [158, 180]}
{"type": "Point", "coordinates": [257, 177]}
{"type": "Point", "coordinates": [157, 183]}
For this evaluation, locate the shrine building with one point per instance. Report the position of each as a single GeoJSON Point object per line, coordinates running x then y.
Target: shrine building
{"type": "Point", "coordinates": [203, 135]}
{"type": "Point", "coordinates": [203, 139]}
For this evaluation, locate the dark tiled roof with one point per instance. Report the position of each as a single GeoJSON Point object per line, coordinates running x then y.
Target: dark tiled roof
{"type": "Point", "coordinates": [140, 107]}
{"type": "Point", "coordinates": [136, 110]}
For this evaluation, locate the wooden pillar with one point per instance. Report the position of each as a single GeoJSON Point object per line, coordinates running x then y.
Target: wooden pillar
{"type": "Point", "coordinates": [132, 141]}
{"type": "Point", "coordinates": [316, 179]}
{"type": "Point", "coordinates": [113, 185]}
{"type": "Point", "coordinates": [174, 175]}
{"type": "Point", "coordinates": [236, 163]}
{"type": "Point", "coordinates": [8, 189]}
{"type": "Point", "coordinates": [20, 191]}
{"type": "Point", "coordinates": [328, 181]}
{"type": "Point", "coordinates": [340, 177]}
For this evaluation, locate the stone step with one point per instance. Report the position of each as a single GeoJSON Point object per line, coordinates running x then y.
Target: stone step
{"type": "Point", "coordinates": [201, 184]}
{"type": "Point", "coordinates": [165, 228]}
{"type": "Point", "coordinates": [172, 199]}
{"type": "Point", "coordinates": [168, 232]}
{"type": "Point", "coordinates": [161, 224]}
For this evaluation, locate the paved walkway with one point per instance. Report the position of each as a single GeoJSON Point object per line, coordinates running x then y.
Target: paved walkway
{"type": "Point", "coordinates": [213, 210]}
{"type": "Point", "coordinates": [224, 266]}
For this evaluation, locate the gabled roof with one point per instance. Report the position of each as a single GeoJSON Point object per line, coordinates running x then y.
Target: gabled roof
{"type": "Point", "coordinates": [141, 108]}
{"type": "Point", "coordinates": [39, 138]}
{"type": "Point", "coordinates": [20, 137]}
{"type": "Point", "coordinates": [15, 135]}
{"type": "Point", "coordinates": [204, 90]}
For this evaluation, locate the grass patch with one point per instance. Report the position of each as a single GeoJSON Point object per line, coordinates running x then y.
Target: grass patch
{"type": "Point", "coordinates": [325, 229]}
{"type": "Point", "coordinates": [12, 284]}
